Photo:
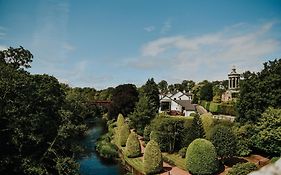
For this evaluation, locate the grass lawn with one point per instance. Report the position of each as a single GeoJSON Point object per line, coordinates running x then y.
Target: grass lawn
{"type": "Point", "coordinates": [135, 162]}
{"type": "Point", "coordinates": [175, 159]}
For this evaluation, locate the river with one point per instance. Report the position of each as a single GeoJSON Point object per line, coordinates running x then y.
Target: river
{"type": "Point", "coordinates": [91, 163]}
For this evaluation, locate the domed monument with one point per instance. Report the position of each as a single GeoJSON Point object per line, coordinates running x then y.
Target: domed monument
{"type": "Point", "coordinates": [233, 86]}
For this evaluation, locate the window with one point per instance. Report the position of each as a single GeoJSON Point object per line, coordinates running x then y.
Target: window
{"type": "Point", "coordinates": [165, 106]}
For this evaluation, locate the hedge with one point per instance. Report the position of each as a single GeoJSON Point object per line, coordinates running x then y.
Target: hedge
{"type": "Point", "coordinates": [219, 108]}
{"type": "Point", "coordinates": [201, 157]}
{"type": "Point", "coordinates": [133, 148]}
{"type": "Point", "coordinates": [242, 169]}
{"type": "Point", "coordinates": [152, 160]}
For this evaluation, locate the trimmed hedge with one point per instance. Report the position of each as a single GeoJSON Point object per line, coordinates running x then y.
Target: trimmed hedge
{"type": "Point", "coordinates": [201, 157]}
{"type": "Point", "coordinates": [133, 148]}
{"type": "Point", "coordinates": [219, 108]}
{"type": "Point", "coordinates": [152, 160]}
{"type": "Point", "coordinates": [123, 134]}
{"type": "Point", "coordinates": [242, 169]}
{"type": "Point", "coordinates": [146, 133]}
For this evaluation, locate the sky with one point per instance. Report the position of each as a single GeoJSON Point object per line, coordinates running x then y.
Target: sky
{"type": "Point", "coordinates": [104, 43]}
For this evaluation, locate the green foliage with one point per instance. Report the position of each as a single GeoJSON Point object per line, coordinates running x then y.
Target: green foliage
{"type": "Point", "coordinates": [38, 128]}
{"type": "Point", "coordinates": [172, 133]}
{"type": "Point", "coordinates": [123, 134]}
{"type": "Point", "coordinates": [142, 114]}
{"type": "Point", "coordinates": [197, 127]}
{"type": "Point", "coordinates": [274, 159]}
{"type": "Point", "coordinates": [133, 148]}
{"type": "Point", "coordinates": [182, 152]}
{"type": "Point", "coordinates": [16, 57]}
{"type": "Point", "coordinates": [220, 108]}
{"type": "Point", "coordinates": [268, 132]}
{"type": "Point", "coordinates": [208, 123]}
{"type": "Point", "coordinates": [258, 91]}
{"type": "Point", "coordinates": [150, 90]}
{"type": "Point", "coordinates": [163, 86]}
{"type": "Point", "coordinates": [146, 133]}
{"type": "Point", "coordinates": [124, 98]}
{"type": "Point", "coordinates": [242, 169]}
{"type": "Point", "coordinates": [120, 121]}
{"type": "Point", "coordinates": [206, 91]}
{"type": "Point", "coordinates": [105, 148]}
{"type": "Point", "coordinates": [244, 141]}
{"type": "Point", "coordinates": [224, 141]}
{"type": "Point", "coordinates": [152, 161]}
{"type": "Point", "coordinates": [201, 157]}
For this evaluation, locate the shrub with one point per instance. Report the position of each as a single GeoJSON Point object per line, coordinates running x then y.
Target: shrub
{"type": "Point", "coordinates": [244, 142]}
{"type": "Point", "coordinates": [242, 169]}
{"type": "Point", "coordinates": [201, 157]}
{"type": "Point", "coordinates": [123, 135]}
{"type": "Point", "coordinates": [224, 141]}
{"type": "Point", "coordinates": [133, 148]}
{"type": "Point", "coordinates": [105, 148]}
{"type": "Point", "coordinates": [152, 161]}
{"type": "Point", "coordinates": [182, 152]}
{"type": "Point", "coordinates": [208, 123]}
{"type": "Point", "coordinates": [120, 121]}
{"type": "Point", "coordinates": [274, 159]}
{"type": "Point", "coordinates": [146, 133]}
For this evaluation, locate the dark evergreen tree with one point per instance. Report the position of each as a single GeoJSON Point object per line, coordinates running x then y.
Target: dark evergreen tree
{"type": "Point", "coordinates": [258, 91]}
{"type": "Point", "coordinates": [197, 127]}
{"type": "Point", "coordinates": [150, 89]}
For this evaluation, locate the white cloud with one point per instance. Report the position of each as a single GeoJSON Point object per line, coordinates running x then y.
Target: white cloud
{"type": "Point", "coordinates": [209, 56]}
{"type": "Point", "coordinates": [2, 47]}
{"type": "Point", "coordinates": [166, 26]}
{"type": "Point", "coordinates": [68, 47]}
{"type": "Point", "coordinates": [149, 28]}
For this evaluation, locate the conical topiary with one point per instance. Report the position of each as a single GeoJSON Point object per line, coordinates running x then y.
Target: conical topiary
{"type": "Point", "coordinates": [120, 121]}
{"type": "Point", "coordinates": [201, 157]}
{"type": "Point", "coordinates": [123, 134]}
{"type": "Point", "coordinates": [133, 148]}
{"type": "Point", "coordinates": [152, 161]}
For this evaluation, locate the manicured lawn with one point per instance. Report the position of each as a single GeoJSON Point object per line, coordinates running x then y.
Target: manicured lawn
{"type": "Point", "coordinates": [135, 162]}
{"type": "Point", "coordinates": [175, 159]}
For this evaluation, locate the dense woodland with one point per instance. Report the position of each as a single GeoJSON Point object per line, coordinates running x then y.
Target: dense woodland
{"type": "Point", "coordinates": [41, 119]}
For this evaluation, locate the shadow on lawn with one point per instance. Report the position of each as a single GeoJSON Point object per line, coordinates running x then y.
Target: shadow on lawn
{"type": "Point", "coordinates": [233, 161]}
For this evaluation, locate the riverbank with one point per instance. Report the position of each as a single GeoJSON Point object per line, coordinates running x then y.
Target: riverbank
{"type": "Point", "coordinates": [90, 161]}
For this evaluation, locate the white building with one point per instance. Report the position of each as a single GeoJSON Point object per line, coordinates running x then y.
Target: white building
{"type": "Point", "coordinates": [177, 103]}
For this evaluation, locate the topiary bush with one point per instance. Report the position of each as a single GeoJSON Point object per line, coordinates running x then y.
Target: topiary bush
{"type": "Point", "coordinates": [120, 120]}
{"type": "Point", "coordinates": [201, 157]}
{"type": "Point", "coordinates": [133, 148]}
{"type": "Point", "coordinates": [242, 169]}
{"type": "Point", "coordinates": [182, 152]}
{"type": "Point", "coordinates": [123, 134]}
{"type": "Point", "coordinates": [152, 161]}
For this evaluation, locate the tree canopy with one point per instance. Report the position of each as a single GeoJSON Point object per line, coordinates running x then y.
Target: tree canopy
{"type": "Point", "coordinates": [258, 91]}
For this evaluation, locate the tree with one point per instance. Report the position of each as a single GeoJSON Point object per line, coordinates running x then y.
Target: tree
{"type": "Point", "coordinates": [163, 86]}
{"type": "Point", "coordinates": [201, 157]}
{"type": "Point", "coordinates": [197, 126]}
{"type": "Point", "coordinates": [142, 115]}
{"type": "Point", "coordinates": [133, 148]}
{"type": "Point", "coordinates": [151, 91]}
{"type": "Point", "coordinates": [188, 85]}
{"type": "Point", "coordinates": [258, 91]}
{"type": "Point", "coordinates": [206, 91]}
{"type": "Point", "coordinates": [268, 132]}
{"type": "Point", "coordinates": [124, 98]}
{"type": "Point", "coordinates": [152, 161]}
{"type": "Point", "coordinates": [171, 88]}
{"type": "Point", "coordinates": [224, 141]}
{"type": "Point", "coordinates": [16, 57]}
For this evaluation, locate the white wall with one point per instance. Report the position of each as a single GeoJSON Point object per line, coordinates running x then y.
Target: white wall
{"type": "Point", "coordinates": [187, 113]}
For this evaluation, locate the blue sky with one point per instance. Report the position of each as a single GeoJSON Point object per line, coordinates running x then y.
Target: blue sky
{"type": "Point", "coordinates": [102, 43]}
